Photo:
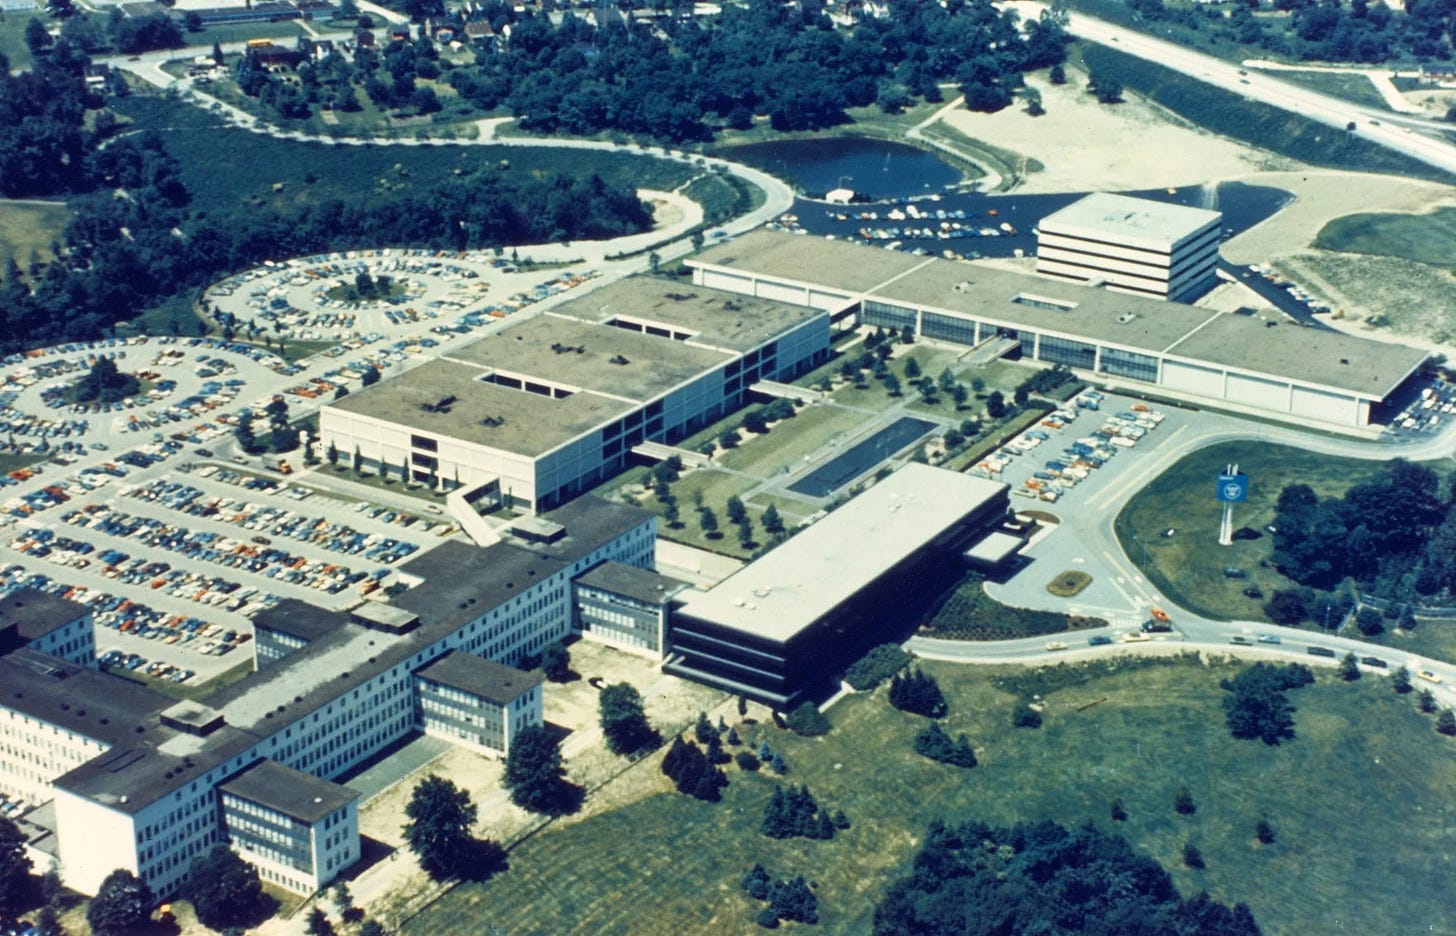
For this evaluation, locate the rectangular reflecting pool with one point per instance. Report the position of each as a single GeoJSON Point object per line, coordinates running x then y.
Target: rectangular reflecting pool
{"type": "Point", "coordinates": [835, 474]}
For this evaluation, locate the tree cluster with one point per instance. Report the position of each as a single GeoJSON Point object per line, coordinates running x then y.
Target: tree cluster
{"type": "Point", "coordinates": [534, 775]}
{"type": "Point", "coordinates": [694, 772]}
{"type": "Point", "coordinates": [1043, 878]}
{"type": "Point", "coordinates": [1394, 533]}
{"type": "Point", "coordinates": [624, 723]}
{"type": "Point", "coordinates": [756, 420]}
{"type": "Point", "coordinates": [1256, 706]}
{"type": "Point", "coordinates": [792, 813]}
{"type": "Point", "coordinates": [788, 899]}
{"type": "Point", "coordinates": [917, 692]}
{"type": "Point", "coordinates": [680, 79]}
{"type": "Point", "coordinates": [224, 889]}
{"type": "Point", "coordinates": [876, 666]}
{"type": "Point", "coordinates": [441, 816]}
{"type": "Point", "coordinates": [123, 902]}
{"type": "Point", "coordinates": [1357, 31]}
{"type": "Point", "coordinates": [134, 240]}
{"type": "Point", "coordinates": [934, 743]}
{"type": "Point", "coordinates": [16, 888]}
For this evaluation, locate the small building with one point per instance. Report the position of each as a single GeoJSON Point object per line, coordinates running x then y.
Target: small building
{"type": "Point", "coordinates": [626, 607]}
{"type": "Point", "coordinates": [1438, 73]}
{"type": "Point", "coordinates": [1133, 245]}
{"type": "Point", "coordinates": [839, 196]}
{"type": "Point", "coordinates": [297, 830]}
{"type": "Point", "coordinates": [468, 700]}
{"type": "Point", "coordinates": [290, 625]}
{"type": "Point", "coordinates": [787, 621]}
{"type": "Point", "coordinates": [47, 623]}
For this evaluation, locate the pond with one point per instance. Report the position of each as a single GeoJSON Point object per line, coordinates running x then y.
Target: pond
{"type": "Point", "coordinates": [835, 474]}
{"type": "Point", "coordinates": [873, 168]}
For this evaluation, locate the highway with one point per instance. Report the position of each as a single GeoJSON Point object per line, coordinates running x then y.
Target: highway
{"type": "Point", "coordinates": [1257, 86]}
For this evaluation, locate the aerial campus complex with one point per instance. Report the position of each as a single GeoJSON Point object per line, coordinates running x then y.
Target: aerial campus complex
{"type": "Point", "coordinates": [535, 415]}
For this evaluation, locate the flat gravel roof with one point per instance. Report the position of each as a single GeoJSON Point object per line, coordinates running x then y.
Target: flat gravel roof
{"type": "Point", "coordinates": [1136, 222]}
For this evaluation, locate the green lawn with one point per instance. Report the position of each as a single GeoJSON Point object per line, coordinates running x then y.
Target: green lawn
{"type": "Point", "coordinates": [316, 172]}
{"type": "Point", "coordinates": [26, 227]}
{"type": "Point", "coordinates": [1355, 88]}
{"type": "Point", "coordinates": [1188, 566]}
{"type": "Point", "coordinates": [1425, 238]}
{"type": "Point", "coordinates": [791, 441]}
{"type": "Point", "coordinates": [671, 865]}
{"type": "Point", "coordinates": [10, 462]}
{"type": "Point", "coordinates": [1432, 638]}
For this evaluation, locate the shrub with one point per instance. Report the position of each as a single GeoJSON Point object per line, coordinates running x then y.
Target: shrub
{"type": "Point", "coordinates": [808, 721]}
{"type": "Point", "coordinates": [875, 667]}
{"type": "Point", "coordinates": [1026, 717]}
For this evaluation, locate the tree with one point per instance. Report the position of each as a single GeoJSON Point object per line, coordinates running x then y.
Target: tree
{"type": "Point", "coordinates": [912, 369]}
{"type": "Point", "coordinates": [1400, 680]}
{"type": "Point", "coordinates": [1264, 832]}
{"type": "Point", "coordinates": [1446, 722]}
{"type": "Point", "coordinates": [1192, 857]}
{"type": "Point", "coordinates": [934, 743]}
{"type": "Point", "coordinates": [534, 775]}
{"type": "Point", "coordinates": [343, 901]}
{"type": "Point", "coordinates": [1025, 716]}
{"type": "Point", "coordinates": [371, 927]}
{"type": "Point", "coordinates": [1117, 812]}
{"type": "Point", "coordinates": [556, 661]}
{"type": "Point", "coordinates": [1349, 667]}
{"type": "Point", "coordinates": [358, 461]}
{"type": "Point", "coordinates": [37, 37]}
{"type": "Point", "coordinates": [1256, 706]}
{"type": "Point", "coordinates": [318, 923]}
{"type": "Point", "coordinates": [1426, 701]}
{"type": "Point", "coordinates": [917, 692]}
{"type": "Point", "coordinates": [48, 922]}
{"type": "Point", "coordinates": [735, 510]}
{"type": "Point", "coordinates": [223, 888]}
{"type": "Point", "coordinates": [709, 522]}
{"type": "Point", "coordinates": [996, 405]}
{"type": "Point", "coordinates": [123, 901]}
{"type": "Point", "coordinates": [773, 524]}
{"type": "Point", "coordinates": [1183, 803]}
{"type": "Point", "coordinates": [807, 720]}
{"type": "Point", "coordinates": [1369, 621]}
{"type": "Point", "coordinates": [624, 723]}
{"type": "Point", "coordinates": [15, 866]}
{"type": "Point", "coordinates": [441, 816]}
{"type": "Point", "coordinates": [1057, 75]}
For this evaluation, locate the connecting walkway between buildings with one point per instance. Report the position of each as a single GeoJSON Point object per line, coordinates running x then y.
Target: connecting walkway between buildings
{"type": "Point", "coordinates": [992, 349]}
{"type": "Point", "coordinates": [786, 391]}
{"type": "Point", "coordinates": [660, 452]}
{"type": "Point", "coordinates": [461, 505]}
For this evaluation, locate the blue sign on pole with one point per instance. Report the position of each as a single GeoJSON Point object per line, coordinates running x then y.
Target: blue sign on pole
{"type": "Point", "coordinates": [1233, 488]}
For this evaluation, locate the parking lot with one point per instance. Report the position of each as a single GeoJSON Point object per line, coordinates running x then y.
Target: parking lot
{"type": "Point", "coordinates": [440, 293]}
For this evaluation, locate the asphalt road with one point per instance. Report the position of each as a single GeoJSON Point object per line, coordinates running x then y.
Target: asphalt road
{"type": "Point", "coordinates": [1371, 124]}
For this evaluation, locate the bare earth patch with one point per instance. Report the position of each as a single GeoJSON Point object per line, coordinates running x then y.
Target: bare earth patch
{"type": "Point", "coordinates": [1088, 146]}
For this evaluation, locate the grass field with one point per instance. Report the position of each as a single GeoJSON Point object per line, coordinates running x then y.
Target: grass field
{"type": "Point", "coordinates": [789, 443]}
{"type": "Point", "coordinates": [970, 614]}
{"type": "Point", "coordinates": [1355, 88]}
{"type": "Point", "coordinates": [10, 462]}
{"type": "Point", "coordinates": [671, 865]}
{"type": "Point", "coordinates": [1425, 238]}
{"type": "Point", "coordinates": [1261, 125]}
{"type": "Point", "coordinates": [30, 226]}
{"type": "Point", "coordinates": [257, 162]}
{"type": "Point", "coordinates": [1431, 638]}
{"type": "Point", "coordinates": [1188, 566]}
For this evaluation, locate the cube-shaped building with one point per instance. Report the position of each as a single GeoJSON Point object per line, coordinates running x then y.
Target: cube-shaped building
{"type": "Point", "coordinates": [1134, 245]}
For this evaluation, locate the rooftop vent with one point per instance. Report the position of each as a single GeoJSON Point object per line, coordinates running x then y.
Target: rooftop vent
{"type": "Point", "coordinates": [1126, 317]}
{"type": "Point", "coordinates": [493, 421]}
{"type": "Point", "coordinates": [962, 287]}
{"type": "Point", "coordinates": [680, 297]}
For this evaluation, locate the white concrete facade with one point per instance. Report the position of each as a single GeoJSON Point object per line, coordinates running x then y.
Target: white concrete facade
{"type": "Point", "coordinates": [1131, 245]}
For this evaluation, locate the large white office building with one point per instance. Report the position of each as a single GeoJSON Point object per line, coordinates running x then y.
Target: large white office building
{"type": "Point", "coordinates": [1134, 245]}
{"type": "Point", "coordinates": [541, 411]}
{"type": "Point", "coordinates": [1254, 363]}
{"type": "Point", "coordinates": [141, 782]}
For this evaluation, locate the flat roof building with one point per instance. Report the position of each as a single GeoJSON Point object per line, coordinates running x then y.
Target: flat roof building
{"type": "Point", "coordinates": [1253, 362]}
{"type": "Point", "coordinates": [543, 410]}
{"type": "Point", "coordinates": [1134, 245]}
{"type": "Point", "coordinates": [142, 782]}
{"type": "Point", "coordinates": [779, 625]}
